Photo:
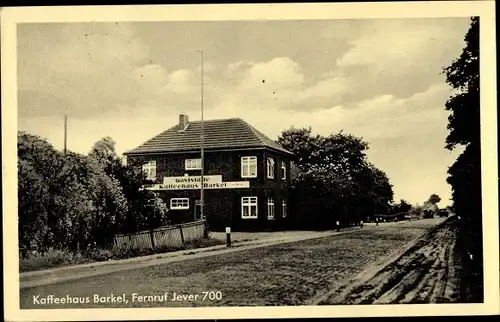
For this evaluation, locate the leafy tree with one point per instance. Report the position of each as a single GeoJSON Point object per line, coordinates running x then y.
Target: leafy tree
{"type": "Point", "coordinates": [463, 76]}
{"type": "Point", "coordinates": [39, 166]}
{"type": "Point", "coordinates": [333, 180]}
{"type": "Point", "coordinates": [402, 206]}
{"type": "Point", "coordinates": [157, 213]}
{"type": "Point", "coordinates": [104, 152]}
{"type": "Point", "coordinates": [65, 201]}
{"type": "Point", "coordinates": [33, 207]}
{"type": "Point", "coordinates": [145, 209]}
{"type": "Point", "coordinates": [465, 174]}
{"type": "Point", "coordinates": [434, 199]}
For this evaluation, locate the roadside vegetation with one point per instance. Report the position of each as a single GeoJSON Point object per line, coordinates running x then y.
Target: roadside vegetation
{"type": "Point", "coordinates": [54, 258]}
{"type": "Point", "coordinates": [333, 181]}
{"type": "Point", "coordinates": [464, 175]}
{"type": "Point", "coordinates": [72, 205]}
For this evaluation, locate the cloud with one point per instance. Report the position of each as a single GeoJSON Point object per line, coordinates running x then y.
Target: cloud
{"type": "Point", "coordinates": [88, 66]}
{"type": "Point", "coordinates": [406, 43]}
{"type": "Point", "coordinates": [400, 56]}
{"type": "Point", "coordinates": [181, 81]}
{"type": "Point", "coordinates": [280, 72]}
{"type": "Point", "coordinates": [151, 77]}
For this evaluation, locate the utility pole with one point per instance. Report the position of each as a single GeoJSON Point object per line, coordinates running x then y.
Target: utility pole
{"type": "Point", "coordinates": [202, 141]}
{"type": "Point", "coordinates": [65, 132]}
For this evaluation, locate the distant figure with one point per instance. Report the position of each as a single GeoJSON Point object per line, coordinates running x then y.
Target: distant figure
{"type": "Point", "coordinates": [361, 223]}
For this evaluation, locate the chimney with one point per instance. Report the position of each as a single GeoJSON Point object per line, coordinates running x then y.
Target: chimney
{"type": "Point", "coordinates": [183, 121]}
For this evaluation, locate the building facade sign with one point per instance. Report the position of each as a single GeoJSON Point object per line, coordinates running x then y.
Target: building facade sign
{"type": "Point", "coordinates": [191, 179]}
{"type": "Point", "coordinates": [197, 185]}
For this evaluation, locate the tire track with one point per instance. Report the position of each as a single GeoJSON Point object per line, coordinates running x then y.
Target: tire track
{"type": "Point", "coordinates": [425, 273]}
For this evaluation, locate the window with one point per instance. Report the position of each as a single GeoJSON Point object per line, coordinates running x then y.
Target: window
{"type": "Point", "coordinates": [270, 168]}
{"type": "Point", "coordinates": [270, 208]}
{"type": "Point", "coordinates": [248, 207]}
{"type": "Point", "coordinates": [249, 167]}
{"type": "Point", "coordinates": [193, 164]}
{"type": "Point", "coordinates": [179, 203]}
{"type": "Point", "coordinates": [197, 210]}
{"type": "Point", "coordinates": [283, 206]}
{"type": "Point", "coordinates": [283, 170]}
{"type": "Point", "coordinates": [149, 169]}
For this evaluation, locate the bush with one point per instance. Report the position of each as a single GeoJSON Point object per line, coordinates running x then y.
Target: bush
{"type": "Point", "coordinates": [56, 258]}
{"type": "Point", "coordinates": [202, 243]}
{"type": "Point", "coordinates": [50, 259]}
{"type": "Point", "coordinates": [100, 255]}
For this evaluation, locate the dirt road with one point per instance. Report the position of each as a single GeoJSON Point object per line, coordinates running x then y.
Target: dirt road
{"type": "Point", "coordinates": [426, 273]}
{"type": "Point", "coordinates": [295, 273]}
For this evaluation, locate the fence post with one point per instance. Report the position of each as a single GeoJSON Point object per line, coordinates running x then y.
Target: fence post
{"type": "Point", "coordinates": [151, 234]}
{"type": "Point", "coordinates": [228, 236]}
{"type": "Point", "coordinates": [182, 234]}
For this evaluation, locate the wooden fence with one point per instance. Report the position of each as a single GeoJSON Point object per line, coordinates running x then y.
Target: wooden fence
{"type": "Point", "coordinates": [163, 237]}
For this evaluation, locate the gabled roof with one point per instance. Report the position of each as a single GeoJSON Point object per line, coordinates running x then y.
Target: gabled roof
{"type": "Point", "coordinates": [231, 133]}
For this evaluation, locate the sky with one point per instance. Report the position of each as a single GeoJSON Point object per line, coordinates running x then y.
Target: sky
{"type": "Point", "coordinates": [379, 79]}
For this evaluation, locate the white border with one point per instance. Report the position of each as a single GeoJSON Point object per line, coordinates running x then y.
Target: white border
{"type": "Point", "coordinates": [484, 9]}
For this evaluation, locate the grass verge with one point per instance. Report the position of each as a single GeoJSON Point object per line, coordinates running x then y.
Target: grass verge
{"type": "Point", "coordinates": [54, 258]}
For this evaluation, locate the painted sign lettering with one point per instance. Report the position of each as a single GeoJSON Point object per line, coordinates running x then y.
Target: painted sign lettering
{"type": "Point", "coordinates": [191, 179]}
{"type": "Point", "coordinates": [197, 185]}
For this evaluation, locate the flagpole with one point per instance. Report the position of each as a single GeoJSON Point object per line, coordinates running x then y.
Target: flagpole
{"type": "Point", "coordinates": [202, 142]}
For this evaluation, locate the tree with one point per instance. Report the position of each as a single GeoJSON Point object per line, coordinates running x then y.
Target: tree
{"type": "Point", "coordinates": [145, 209]}
{"type": "Point", "coordinates": [402, 206]}
{"type": "Point", "coordinates": [39, 167]}
{"type": "Point", "coordinates": [334, 181]}
{"type": "Point", "coordinates": [340, 153]}
{"type": "Point", "coordinates": [434, 199]}
{"type": "Point", "coordinates": [104, 152]}
{"type": "Point", "coordinates": [33, 207]}
{"type": "Point", "coordinates": [463, 76]}
{"type": "Point", "coordinates": [65, 201]}
{"type": "Point", "coordinates": [465, 174]}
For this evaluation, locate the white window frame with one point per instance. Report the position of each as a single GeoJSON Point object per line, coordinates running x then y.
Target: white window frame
{"type": "Point", "coordinates": [249, 202]}
{"type": "Point", "coordinates": [283, 170]}
{"type": "Point", "coordinates": [149, 168]}
{"type": "Point", "coordinates": [270, 208]}
{"type": "Point", "coordinates": [270, 168]}
{"type": "Point", "coordinates": [247, 163]}
{"type": "Point", "coordinates": [284, 208]}
{"type": "Point", "coordinates": [192, 164]}
{"type": "Point", "coordinates": [179, 203]}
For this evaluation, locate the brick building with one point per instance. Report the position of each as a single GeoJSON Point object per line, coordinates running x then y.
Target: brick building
{"type": "Point", "coordinates": [246, 174]}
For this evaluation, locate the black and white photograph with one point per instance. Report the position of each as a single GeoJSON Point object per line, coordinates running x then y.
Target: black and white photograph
{"type": "Point", "coordinates": [293, 160]}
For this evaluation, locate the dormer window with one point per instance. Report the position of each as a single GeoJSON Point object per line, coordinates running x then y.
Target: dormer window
{"type": "Point", "coordinates": [270, 168]}
{"type": "Point", "coordinates": [149, 169]}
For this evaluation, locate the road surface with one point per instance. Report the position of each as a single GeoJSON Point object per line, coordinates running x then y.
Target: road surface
{"type": "Point", "coordinates": [296, 273]}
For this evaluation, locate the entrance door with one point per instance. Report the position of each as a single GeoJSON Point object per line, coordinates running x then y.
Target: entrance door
{"type": "Point", "coordinates": [197, 210]}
